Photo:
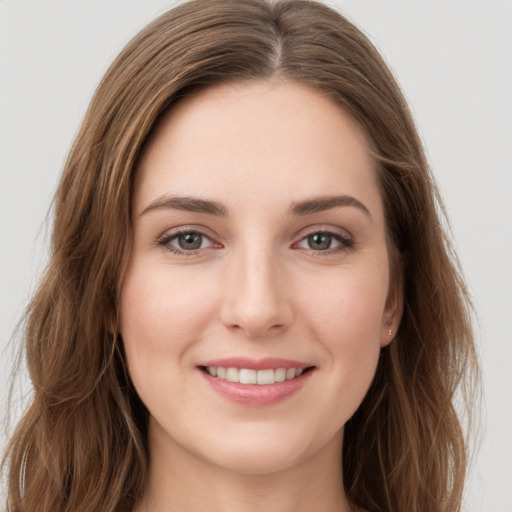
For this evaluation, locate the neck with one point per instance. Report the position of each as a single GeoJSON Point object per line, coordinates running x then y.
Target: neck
{"type": "Point", "coordinates": [178, 480]}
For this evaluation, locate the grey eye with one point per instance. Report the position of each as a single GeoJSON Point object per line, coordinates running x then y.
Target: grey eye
{"type": "Point", "coordinates": [319, 241]}
{"type": "Point", "coordinates": [190, 241]}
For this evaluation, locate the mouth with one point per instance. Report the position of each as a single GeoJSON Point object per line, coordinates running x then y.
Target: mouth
{"type": "Point", "coordinates": [248, 376]}
{"type": "Point", "coordinates": [256, 382]}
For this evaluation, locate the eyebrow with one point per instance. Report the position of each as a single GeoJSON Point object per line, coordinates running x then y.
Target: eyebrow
{"type": "Point", "coordinates": [188, 204]}
{"type": "Point", "coordinates": [321, 204]}
{"type": "Point", "coordinates": [299, 208]}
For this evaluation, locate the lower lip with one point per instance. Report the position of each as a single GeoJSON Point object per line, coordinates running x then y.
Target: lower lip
{"type": "Point", "coordinates": [255, 394]}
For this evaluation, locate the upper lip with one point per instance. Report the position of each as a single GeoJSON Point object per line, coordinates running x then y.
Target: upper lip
{"type": "Point", "coordinates": [266, 363]}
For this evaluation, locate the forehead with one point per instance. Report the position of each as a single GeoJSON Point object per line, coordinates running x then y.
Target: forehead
{"type": "Point", "coordinates": [240, 140]}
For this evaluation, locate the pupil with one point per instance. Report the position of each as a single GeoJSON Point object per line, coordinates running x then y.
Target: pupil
{"type": "Point", "coordinates": [319, 241]}
{"type": "Point", "coordinates": [190, 241]}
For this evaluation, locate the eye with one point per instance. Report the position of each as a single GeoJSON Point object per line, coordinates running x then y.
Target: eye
{"type": "Point", "coordinates": [186, 242]}
{"type": "Point", "coordinates": [325, 241]}
{"type": "Point", "coordinates": [319, 241]}
{"type": "Point", "coordinates": [190, 241]}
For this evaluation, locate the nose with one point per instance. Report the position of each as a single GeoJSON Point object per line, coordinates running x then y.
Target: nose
{"type": "Point", "coordinates": [256, 299]}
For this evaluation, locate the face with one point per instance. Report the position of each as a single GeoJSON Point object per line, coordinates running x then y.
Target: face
{"type": "Point", "coordinates": [258, 293]}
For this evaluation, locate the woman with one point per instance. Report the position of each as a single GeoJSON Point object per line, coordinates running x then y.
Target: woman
{"type": "Point", "coordinates": [250, 302]}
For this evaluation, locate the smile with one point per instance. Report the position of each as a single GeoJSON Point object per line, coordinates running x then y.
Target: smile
{"type": "Point", "coordinates": [249, 376]}
{"type": "Point", "coordinates": [256, 382]}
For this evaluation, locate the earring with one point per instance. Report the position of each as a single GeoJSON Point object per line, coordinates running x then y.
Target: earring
{"type": "Point", "coordinates": [389, 332]}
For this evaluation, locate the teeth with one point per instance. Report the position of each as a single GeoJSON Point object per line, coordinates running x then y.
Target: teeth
{"type": "Point", "coordinates": [232, 375]}
{"type": "Point", "coordinates": [265, 377]}
{"type": "Point", "coordinates": [261, 377]}
{"type": "Point", "coordinates": [280, 375]}
{"type": "Point", "coordinates": [248, 376]}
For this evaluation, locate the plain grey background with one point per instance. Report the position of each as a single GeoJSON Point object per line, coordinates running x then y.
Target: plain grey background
{"type": "Point", "coordinates": [453, 59]}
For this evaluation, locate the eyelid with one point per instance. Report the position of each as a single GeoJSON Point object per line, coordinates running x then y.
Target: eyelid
{"type": "Point", "coordinates": [327, 229]}
{"type": "Point", "coordinates": [173, 233]}
{"type": "Point", "coordinates": [346, 240]}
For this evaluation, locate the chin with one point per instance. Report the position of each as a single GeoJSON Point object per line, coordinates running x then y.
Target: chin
{"type": "Point", "coordinates": [259, 460]}
{"type": "Point", "coordinates": [271, 451]}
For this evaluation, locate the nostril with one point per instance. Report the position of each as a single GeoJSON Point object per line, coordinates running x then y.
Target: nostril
{"type": "Point", "coordinates": [257, 329]}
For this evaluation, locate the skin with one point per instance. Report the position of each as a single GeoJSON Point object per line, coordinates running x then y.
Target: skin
{"type": "Point", "coordinates": [255, 288]}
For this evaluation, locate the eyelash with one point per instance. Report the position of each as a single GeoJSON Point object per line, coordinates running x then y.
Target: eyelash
{"type": "Point", "coordinates": [165, 241]}
{"type": "Point", "coordinates": [345, 242]}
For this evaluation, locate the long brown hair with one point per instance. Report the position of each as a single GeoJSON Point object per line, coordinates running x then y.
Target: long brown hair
{"type": "Point", "coordinates": [82, 443]}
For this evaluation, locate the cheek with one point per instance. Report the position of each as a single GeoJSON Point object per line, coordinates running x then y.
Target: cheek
{"type": "Point", "coordinates": [160, 316]}
{"type": "Point", "coordinates": [347, 319]}
{"type": "Point", "coordinates": [348, 311]}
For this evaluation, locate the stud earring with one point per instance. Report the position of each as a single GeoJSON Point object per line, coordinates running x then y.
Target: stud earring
{"type": "Point", "coordinates": [389, 332]}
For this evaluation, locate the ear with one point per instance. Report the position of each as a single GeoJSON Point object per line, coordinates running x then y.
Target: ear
{"type": "Point", "coordinates": [393, 309]}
